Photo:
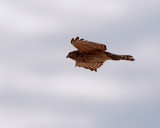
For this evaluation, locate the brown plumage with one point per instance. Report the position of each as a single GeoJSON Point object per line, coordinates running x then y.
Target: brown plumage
{"type": "Point", "coordinates": [92, 55]}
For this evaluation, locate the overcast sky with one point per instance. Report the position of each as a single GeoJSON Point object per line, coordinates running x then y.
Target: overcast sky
{"type": "Point", "coordinates": [40, 88]}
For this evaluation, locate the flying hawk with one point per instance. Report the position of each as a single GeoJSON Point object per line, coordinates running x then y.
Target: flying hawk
{"type": "Point", "coordinates": [91, 55]}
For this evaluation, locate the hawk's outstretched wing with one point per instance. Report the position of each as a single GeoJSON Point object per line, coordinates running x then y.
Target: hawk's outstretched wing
{"type": "Point", "coordinates": [87, 46]}
{"type": "Point", "coordinates": [91, 66]}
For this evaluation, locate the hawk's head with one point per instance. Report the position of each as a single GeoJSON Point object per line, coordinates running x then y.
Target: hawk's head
{"type": "Point", "coordinates": [73, 55]}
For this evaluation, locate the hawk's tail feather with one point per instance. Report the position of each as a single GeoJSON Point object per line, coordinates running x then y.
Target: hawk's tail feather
{"type": "Point", "coordinates": [119, 57]}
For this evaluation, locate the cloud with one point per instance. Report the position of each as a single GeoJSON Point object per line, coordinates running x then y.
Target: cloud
{"type": "Point", "coordinates": [39, 87]}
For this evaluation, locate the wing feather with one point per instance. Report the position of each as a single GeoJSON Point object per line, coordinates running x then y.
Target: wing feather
{"type": "Point", "coordinates": [91, 66]}
{"type": "Point", "coordinates": [87, 46]}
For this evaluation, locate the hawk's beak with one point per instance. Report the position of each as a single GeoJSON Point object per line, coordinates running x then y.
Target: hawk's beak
{"type": "Point", "coordinates": [67, 56]}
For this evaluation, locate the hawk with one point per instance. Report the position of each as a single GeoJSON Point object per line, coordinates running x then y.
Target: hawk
{"type": "Point", "coordinates": [91, 55]}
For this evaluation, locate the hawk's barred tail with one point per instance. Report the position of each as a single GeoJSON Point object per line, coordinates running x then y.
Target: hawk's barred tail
{"type": "Point", "coordinates": [119, 57]}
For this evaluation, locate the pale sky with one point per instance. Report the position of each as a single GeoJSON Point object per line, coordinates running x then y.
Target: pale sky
{"type": "Point", "coordinates": [40, 88]}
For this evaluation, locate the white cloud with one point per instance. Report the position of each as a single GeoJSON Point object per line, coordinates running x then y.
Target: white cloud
{"type": "Point", "coordinates": [39, 118]}
{"type": "Point", "coordinates": [39, 87]}
{"type": "Point", "coordinates": [19, 22]}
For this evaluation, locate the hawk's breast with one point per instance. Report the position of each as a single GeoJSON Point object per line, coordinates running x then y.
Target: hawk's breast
{"type": "Point", "coordinates": [95, 56]}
